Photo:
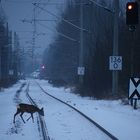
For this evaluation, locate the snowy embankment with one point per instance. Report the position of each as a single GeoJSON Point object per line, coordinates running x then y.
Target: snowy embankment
{"type": "Point", "coordinates": [9, 130]}
{"type": "Point", "coordinates": [121, 120]}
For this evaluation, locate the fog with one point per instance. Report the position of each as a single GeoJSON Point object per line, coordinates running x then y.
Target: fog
{"type": "Point", "coordinates": [30, 21]}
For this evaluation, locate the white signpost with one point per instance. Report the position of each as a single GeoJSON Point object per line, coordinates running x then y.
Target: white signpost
{"type": "Point", "coordinates": [81, 70]}
{"type": "Point", "coordinates": [11, 72]}
{"type": "Point", "coordinates": [115, 63]}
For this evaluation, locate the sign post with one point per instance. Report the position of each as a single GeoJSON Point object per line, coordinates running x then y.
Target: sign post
{"type": "Point", "coordinates": [115, 63]}
{"type": "Point", "coordinates": [81, 71]}
{"type": "Point", "coordinates": [115, 47]}
{"type": "Point", "coordinates": [134, 90]}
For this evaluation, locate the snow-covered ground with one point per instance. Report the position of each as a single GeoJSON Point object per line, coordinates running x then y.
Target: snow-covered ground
{"type": "Point", "coordinates": [8, 130]}
{"type": "Point", "coordinates": [121, 120]}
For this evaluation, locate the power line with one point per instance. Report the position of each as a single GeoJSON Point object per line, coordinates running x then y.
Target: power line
{"type": "Point", "coordinates": [30, 21]}
{"type": "Point", "coordinates": [24, 31]}
{"type": "Point", "coordinates": [18, 2]}
{"type": "Point", "coordinates": [54, 3]}
{"type": "Point", "coordinates": [61, 34]}
{"type": "Point", "coordinates": [99, 5]}
{"type": "Point", "coordinates": [60, 18]}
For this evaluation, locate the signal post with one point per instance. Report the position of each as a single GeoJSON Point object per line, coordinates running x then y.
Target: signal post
{"type": "Point", "coordinates": [132, 19]}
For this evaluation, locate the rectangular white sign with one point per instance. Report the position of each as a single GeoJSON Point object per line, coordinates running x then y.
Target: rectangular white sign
{"type": "Point", "coordinates": [11, 72]}
{"type": "Point", "coordinates": [115, 63]}
{"type": "Point", "coordinates": [81, 70]}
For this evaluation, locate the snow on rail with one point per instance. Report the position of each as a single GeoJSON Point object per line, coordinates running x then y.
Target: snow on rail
{"type": "Point", "coordinates": [89, 119]}
{"type": "Point", "coordinates": [41, 121]}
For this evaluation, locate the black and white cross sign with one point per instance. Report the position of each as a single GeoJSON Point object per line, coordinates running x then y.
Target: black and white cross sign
{"type": "Point", "coordinates": [134, 88]}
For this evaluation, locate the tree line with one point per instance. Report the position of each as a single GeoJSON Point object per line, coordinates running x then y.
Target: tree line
{"type": "Point", "coordinates": [61, 59]}
{"type": "Point", "coordinates": [10, 58]}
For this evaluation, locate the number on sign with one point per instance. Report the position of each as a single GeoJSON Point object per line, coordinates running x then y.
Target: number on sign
{"type": "Point", "coordinates": [116, 59]}
{"type": "Point", "coordinates": [115, 62]}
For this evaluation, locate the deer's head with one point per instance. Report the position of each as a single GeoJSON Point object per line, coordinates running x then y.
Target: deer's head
{"type": "Point", "coordinates": [41, 111]}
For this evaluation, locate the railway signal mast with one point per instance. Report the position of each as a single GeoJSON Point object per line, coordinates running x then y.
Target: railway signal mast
{"type": "Point", "coordinates": [132, 16]}
{"type": "Point", "coordinates": [132, 19]}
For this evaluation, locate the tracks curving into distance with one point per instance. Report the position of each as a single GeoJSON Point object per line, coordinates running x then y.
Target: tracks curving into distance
{"type": "Point", "coordinates": [82, 114]}
{"type": "Point", "coordinates": [41, 122]}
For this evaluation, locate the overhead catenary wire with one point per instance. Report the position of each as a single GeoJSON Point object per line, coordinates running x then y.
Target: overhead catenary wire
{"type": "Point", "coordinates": [18, 2]}
{"type": "Point", "coordinates": [31, 21]}
{"type": "Point", "coordinates": [58, 3]}
{"type": "Point", "coordinates": [30, 1]}
{"type": "Point", "coordinates": [99, 5]}
{"type": "Point", "coordinates": [60, 18]}
{"type": "Point", "coordinates": [61, 34]}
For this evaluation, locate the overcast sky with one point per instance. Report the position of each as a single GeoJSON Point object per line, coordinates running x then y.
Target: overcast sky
{"type": "Point", "coordinates": [19, 10]}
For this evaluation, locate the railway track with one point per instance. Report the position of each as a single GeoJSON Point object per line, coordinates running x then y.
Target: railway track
{"type": "Point", "coordinates": [41, 122]}
{"type": "Point", "coordinates": [111, 136]}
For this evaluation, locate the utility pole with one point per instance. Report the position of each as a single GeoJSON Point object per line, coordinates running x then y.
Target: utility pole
{"type": "Point", "coordinates": [0, 52]}
{"type": "Point", "coordinates": [115, 47]}
{"type": "Point", "coordinates": [81, 68]}
{"type": "Point", "coordinates": [114, 64]}
{"type": "Point", "coordinates": [34, 33]}
{"type": "Point", "coordinates": [33, 22]}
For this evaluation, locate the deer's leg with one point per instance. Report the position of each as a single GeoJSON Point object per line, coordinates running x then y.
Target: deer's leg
{"type": "Point", "coordinates": [22, 117]}
{"type": "Point", "coordinates": [28, 118]}
{"type": "Point", "coordinates": [15, 115]}
{"type": "Point", "coordinates": [32, 117]}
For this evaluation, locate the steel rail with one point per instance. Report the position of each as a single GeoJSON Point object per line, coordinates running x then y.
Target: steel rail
{"type": "Point", "coordinates": [84, 115]}
{"type": "Point", "coordinates": [42, 123]}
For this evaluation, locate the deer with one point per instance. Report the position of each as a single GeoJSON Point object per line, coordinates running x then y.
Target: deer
{"type": "Point", "coordinates": [22, 107]}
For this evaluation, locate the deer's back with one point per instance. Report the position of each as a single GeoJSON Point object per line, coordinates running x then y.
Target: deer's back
{"type": "Point", "coordinates": [27, 108]}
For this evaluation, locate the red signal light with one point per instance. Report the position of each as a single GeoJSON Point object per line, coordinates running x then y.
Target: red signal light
{"type": "Point", "coordinates": [130, 7]}
{"type": "Point", "coordinates": [132, 14]}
